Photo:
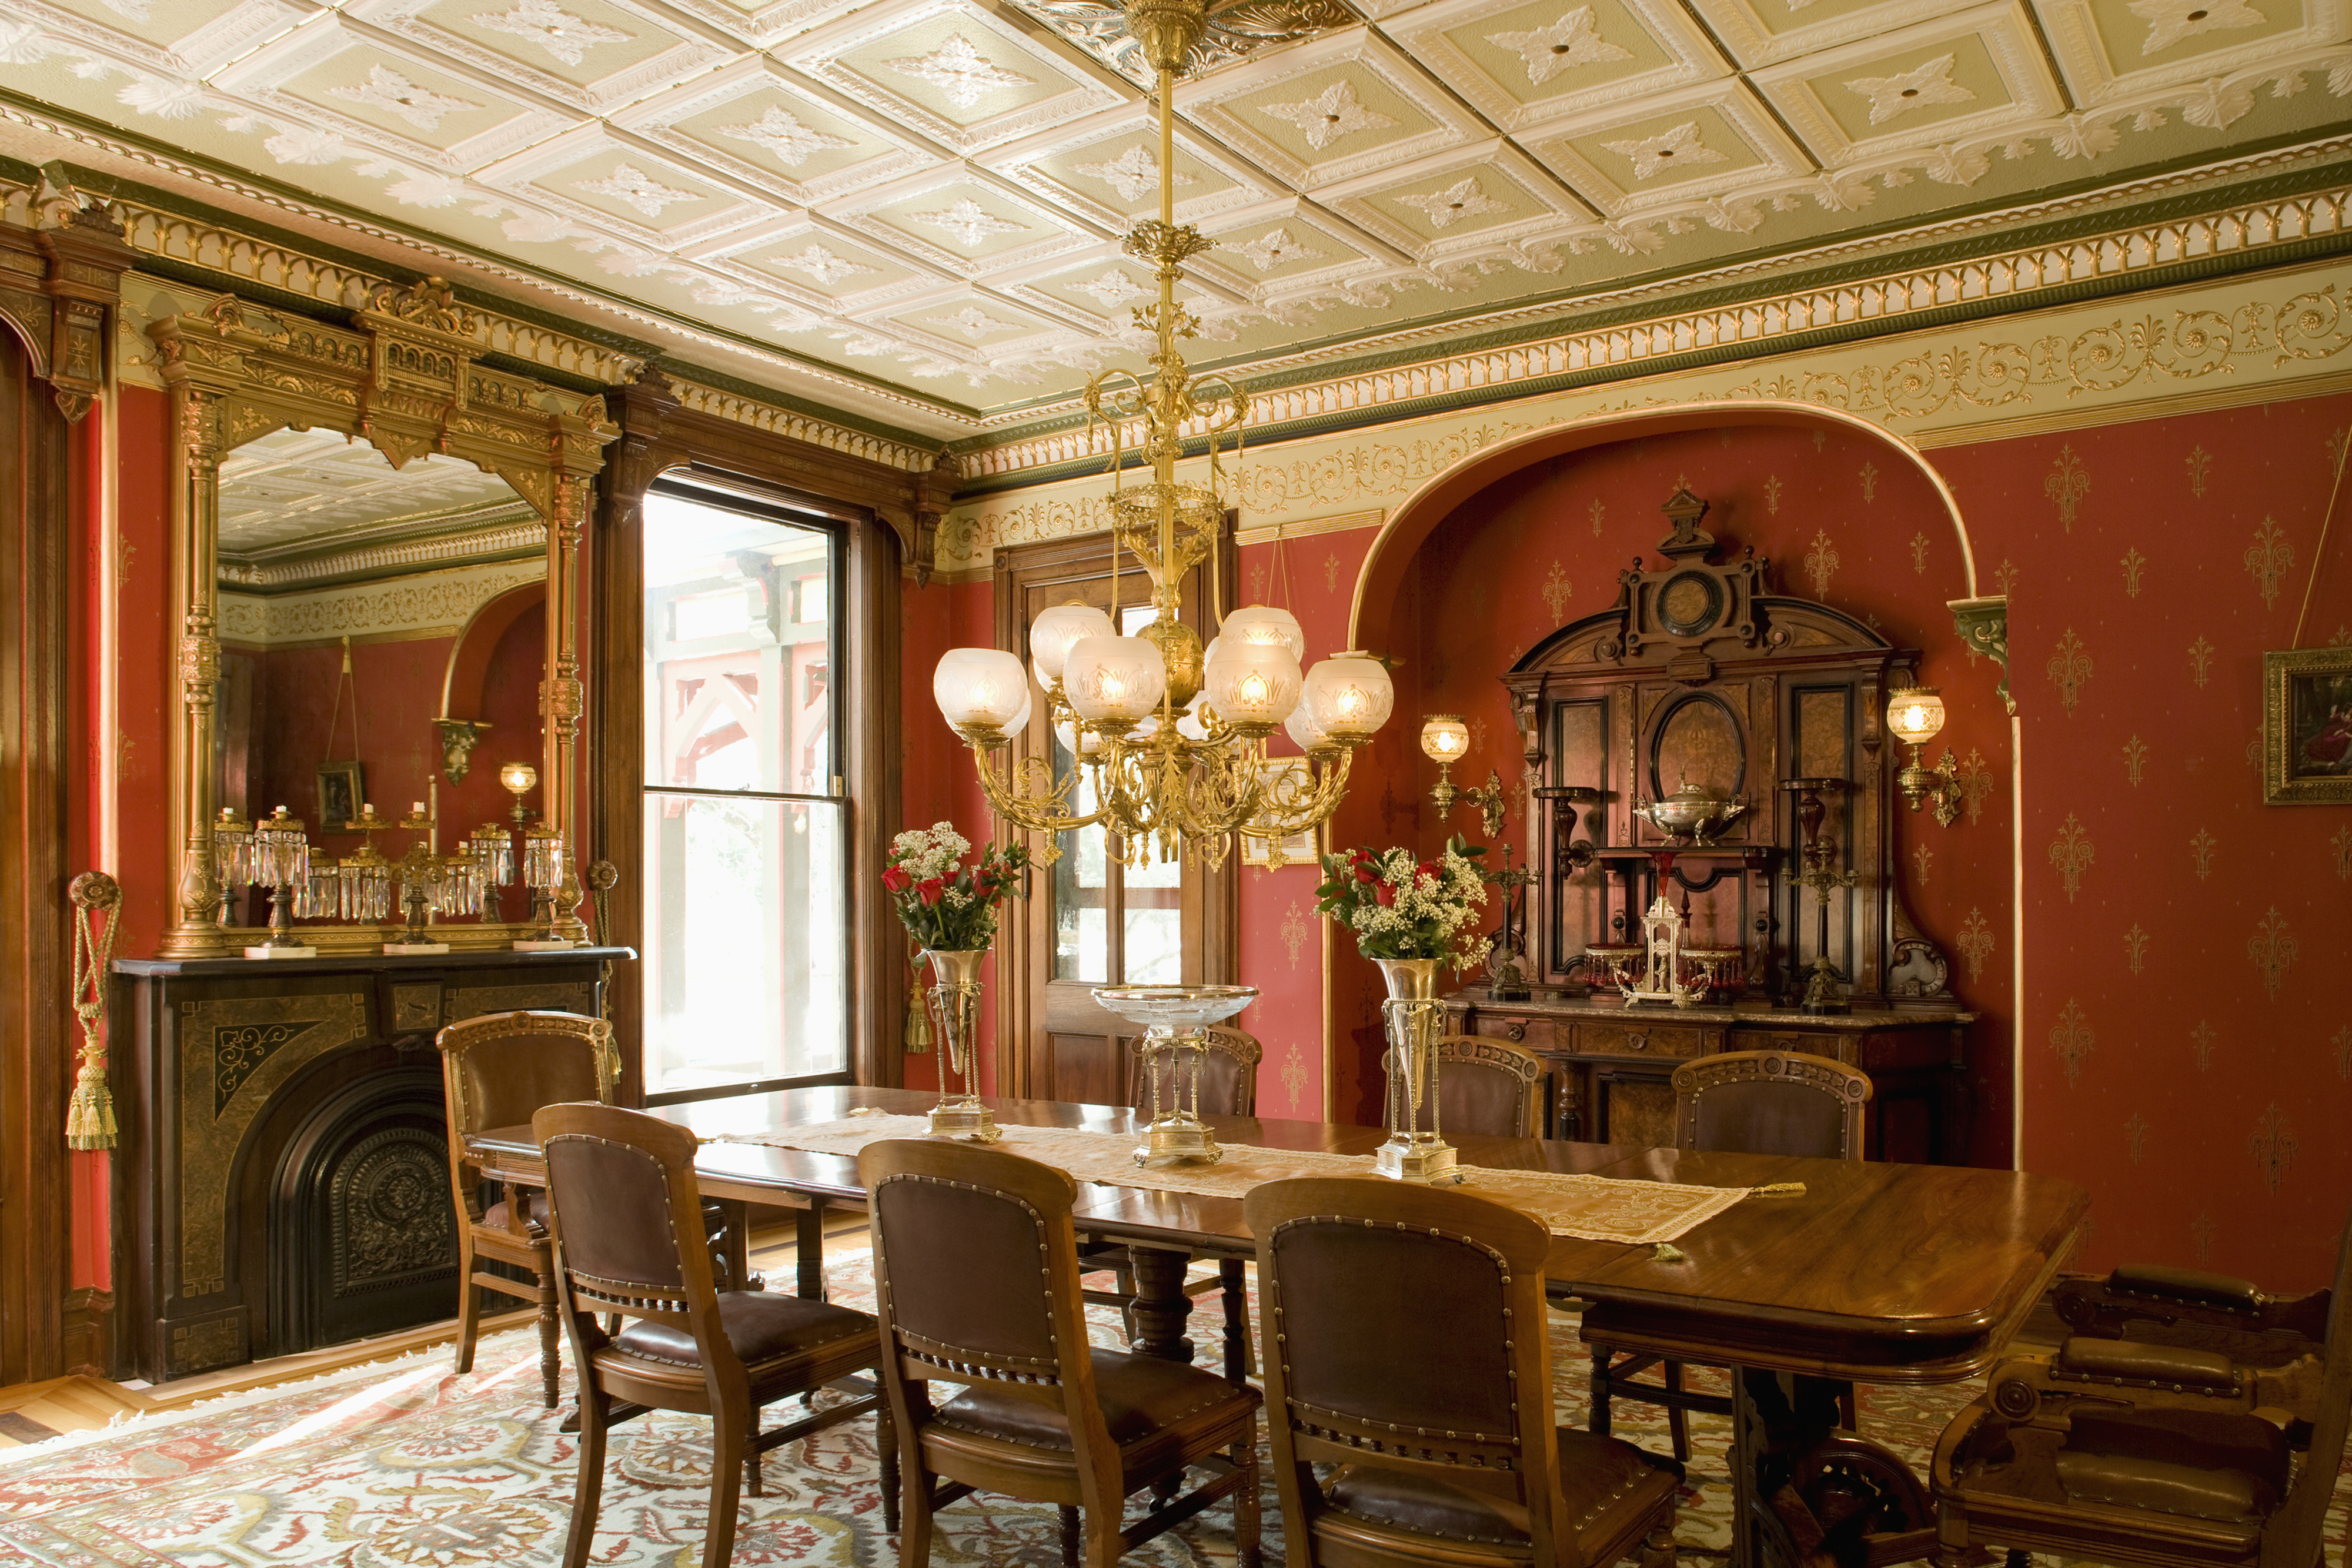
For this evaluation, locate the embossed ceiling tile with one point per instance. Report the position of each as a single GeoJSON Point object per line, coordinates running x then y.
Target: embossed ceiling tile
{"type": "Point", "coordinates": [1340, 106]}
{"type": "Point", "coordinates": [762, 22]}
{"type": "Point", "coordinates": [2113, 48]}
{"type": "Point", "coordinates": [1107, 168]}
{"type": "Point", "coordinates": [1469, 200]}
{"type": "Point", "coordinates": [1101, 291]}
{"type": "Point", "coordinates": [1704, 142]}
{"type": "Point", "coordinates": [1970, 75]}
{"type": "Point", "coordinates": [755, 122]}
{"type": "Point", "coordinates": [386, 93]}
{"type": "Point", "coordinates": [955, 71]}
{"type": "Point", "coordinates": [961, 224]}
{"type": "Point", "coordinates": [827, 268]}
{"type": "Point", "coordinates": [1283, 246]}
{"type": "Point", "coordinates": [1763, 32]}
{"type": "Point", "coordinates": [1521, 62]}
{"type": "Point", "coordinates": [166, 26]}
{"type": "Point", "coordinates": [593, 52]}
{"type": "Point", "coordinates": [627, 191]}
{"type": "Point", "coordinates": [967, 325]}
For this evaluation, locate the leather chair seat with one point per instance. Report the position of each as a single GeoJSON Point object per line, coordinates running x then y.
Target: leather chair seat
{"type": "Point", "coordinates": [761, 1327]}
{"type": "Point", "coordinates": [1140, 1396]}
{"type": "Point", "coordinates": [2221, 1466]}
{"type": "Point", "coordinates": [1603, 1479]}
{"type": "Point", "coordinates": [534, 1211]}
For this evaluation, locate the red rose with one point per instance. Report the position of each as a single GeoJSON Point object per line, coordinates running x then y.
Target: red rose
{"type": "Point", "coordinates": [1427, 868]}
{"type": "Point", "coordinates": [1384, 893]}
{"type": "Point", "coordinates": [1358, 857]}
{"type": "Point", "coordinates": [1366, 873]}
{"type": "Point", "coordinates": [928, 892]}
{"type": "Point", "coordinates": [896, 880]}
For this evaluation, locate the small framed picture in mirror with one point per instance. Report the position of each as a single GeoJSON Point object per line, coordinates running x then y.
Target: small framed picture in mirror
{"type": "Point", "coordinates": [341, 790]}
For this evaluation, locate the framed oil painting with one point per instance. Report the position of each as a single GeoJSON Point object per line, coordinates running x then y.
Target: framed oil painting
{"type": "Point", "coordinates": [341, 790]}
{"type": "Point", "coordinates": [1274, 853]}
{"type": "Point", "coordinates": [2307, 728]}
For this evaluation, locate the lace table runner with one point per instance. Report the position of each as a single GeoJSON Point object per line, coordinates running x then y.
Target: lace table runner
{"type": "Point", "coordinates": [1590, 1208]}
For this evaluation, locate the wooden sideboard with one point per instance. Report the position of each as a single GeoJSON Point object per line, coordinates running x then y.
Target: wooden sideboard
{"type": "Point", "coordinates": [1608, 1068]}
{"type": "Point", "coordinates": [283, 1180]}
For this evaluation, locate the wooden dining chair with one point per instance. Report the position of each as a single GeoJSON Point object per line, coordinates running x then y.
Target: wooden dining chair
{"type": "Point", "coordinates": [2128, 1451]}
{"type": "Point", "coordinates": [1228, 1087]}
{"type": "Point", "coordinates": [1486, 1088]}
{"type": "Point", "coordinates": [625, 1183]}
{"type": "Point", "coordinates": [1404, 1324]}
{"type": "Point", "coordinates": [1747, 1103]}
{"type": "Point", "coordinates": [496, 1072]}
{"type": "Point", "coordinates": [975, 1268]}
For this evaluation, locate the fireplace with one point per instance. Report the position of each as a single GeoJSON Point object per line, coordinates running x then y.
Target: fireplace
{"type": "Point", "coordinates": [283, 1182]}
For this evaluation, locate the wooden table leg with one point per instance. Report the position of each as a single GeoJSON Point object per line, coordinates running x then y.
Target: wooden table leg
{"type": "Point", "coordinates": [1161, 1304]}
{"type": "Point", "coordinates": [809, 1235]}
{"type": "Point", "coordinates": [1235, 1293]}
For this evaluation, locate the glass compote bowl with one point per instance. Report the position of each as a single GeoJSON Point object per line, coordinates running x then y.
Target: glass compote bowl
{"type": "Point", "coordinates": [1172, 1018]}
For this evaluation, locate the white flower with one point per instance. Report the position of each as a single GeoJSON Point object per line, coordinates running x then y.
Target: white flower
{"type": "Point", "coordinates": [163, 98]}
{"type": "Point", "coordinates": [933, 852]}
{"type": "Point", "coordinates": [307, 147]}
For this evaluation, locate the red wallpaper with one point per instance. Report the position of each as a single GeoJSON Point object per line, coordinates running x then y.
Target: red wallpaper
{"type": "Point", "coordinates": [2185, 1057]}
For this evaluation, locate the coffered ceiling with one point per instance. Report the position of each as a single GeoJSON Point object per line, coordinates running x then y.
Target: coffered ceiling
{"type": "Point", "coordinates": [926, 196]}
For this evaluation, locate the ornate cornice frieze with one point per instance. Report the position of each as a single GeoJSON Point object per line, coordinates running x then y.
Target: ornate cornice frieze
{"type": "Point", "coordinates": [377, 553]}
{"type": "Point", "coordinates": [429, 605]}
{"type": "Point", "coordinates": [2019, 278]}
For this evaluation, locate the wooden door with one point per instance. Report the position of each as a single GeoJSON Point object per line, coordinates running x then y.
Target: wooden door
{"type": "Point", "coordinates": [1090, 920]}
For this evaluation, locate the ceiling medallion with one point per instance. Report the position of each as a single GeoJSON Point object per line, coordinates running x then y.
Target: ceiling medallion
{"type": "Point", "coordinates": [1167, 738]}
{"type": "Point", "coordinates": [1230, 30]}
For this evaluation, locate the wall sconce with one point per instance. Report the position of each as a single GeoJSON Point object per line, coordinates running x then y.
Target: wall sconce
{"type": "Point", "coordinates": [1916, 717]}
{"type": "Point", "coordinates": [1444, 740]}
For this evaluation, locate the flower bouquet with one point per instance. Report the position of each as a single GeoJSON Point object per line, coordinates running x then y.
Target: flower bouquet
{"type": "Point", "coordinates": [950, 908]}
{"type": "Point", "coordinates": [1411, 916]}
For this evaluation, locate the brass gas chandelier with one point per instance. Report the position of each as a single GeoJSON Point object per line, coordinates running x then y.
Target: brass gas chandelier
{"type": "Point", "coordinates": [1171, 735]}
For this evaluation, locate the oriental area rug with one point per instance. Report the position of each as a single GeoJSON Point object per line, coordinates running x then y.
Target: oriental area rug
{"type": "Point", "coordinates": [406, 1465]}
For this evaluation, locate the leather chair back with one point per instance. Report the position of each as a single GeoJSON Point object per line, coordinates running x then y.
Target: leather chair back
{"type": "Point", "coordinates": [499, 1070]}
{"type": "Point", "coordinates": [1400, 1323]}
{"type": "Point", "coordinates": [2296, 1531]}
{"type": "Point", "coordinates": [1228, 1075]}
{"type": "Point", "coordinates": [633, 1244]}
{"type": "Point", "coordinates": [1771, 1102]}
{"type": "Point", "coordinates": [976, 1280]}
{"type": "Point", "coordinates": [1486, 1088]}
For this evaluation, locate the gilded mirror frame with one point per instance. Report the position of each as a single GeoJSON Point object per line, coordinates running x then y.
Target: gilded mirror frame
{"type": "Point", "coordinates": [403, 377]}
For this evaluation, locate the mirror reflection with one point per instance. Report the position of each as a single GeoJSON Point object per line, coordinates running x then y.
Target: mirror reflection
{"type": "Point", "coordinates": [383, 636]}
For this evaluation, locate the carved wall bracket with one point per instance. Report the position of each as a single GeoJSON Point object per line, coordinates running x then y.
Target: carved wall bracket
{"type": "Point", "coordinates": [1983, 626]}
{"type": "Point", "coordinates": [62, 279]}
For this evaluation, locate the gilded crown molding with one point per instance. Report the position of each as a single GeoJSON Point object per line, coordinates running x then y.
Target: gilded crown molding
{"type": "Point", "coordinates": [427, 604]}
{"type": "Point", "coordinates": [372, 553]}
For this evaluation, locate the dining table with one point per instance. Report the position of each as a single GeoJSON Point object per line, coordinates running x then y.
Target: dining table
{"type": "Point", "coordinates": [1833, 1272]}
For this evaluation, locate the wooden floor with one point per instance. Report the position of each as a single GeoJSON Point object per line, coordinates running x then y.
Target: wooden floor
{"type": "Point", "coordinates": [34, 1412]}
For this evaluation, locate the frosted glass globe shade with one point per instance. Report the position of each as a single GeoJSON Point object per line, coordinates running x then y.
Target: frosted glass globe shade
{"type": "Point", "coordinates": [1917, 716]}
{"type": "Point", "coordinates": [1303, 729]}
{"type": "Point", "coordinates": [1265, 623]}
{"type": "Point", "coordinates": [1350, 695]}
{"type": "Point", "coordinates": [978, 687]}
{"type": "Point", "coordinates": [1254, 686]}
{"type": "Point", "coordinates": [1444, 737]}
{"type": "Point", "coordinates": [1019, 721]}
{"type": "Point", "coordinates": [1057, 630]}
{"type": "Point", "coordinates": [1076, 745]}
{"type": "Point", "coordinates": [1114, 680]}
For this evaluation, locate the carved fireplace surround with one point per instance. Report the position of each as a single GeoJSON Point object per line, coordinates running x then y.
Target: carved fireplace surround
{"type": "Point", "coordinates": [283, 1181]}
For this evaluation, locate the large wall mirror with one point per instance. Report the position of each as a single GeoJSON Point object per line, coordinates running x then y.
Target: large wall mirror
{"type": "Point", "coordinates": [376, 563]}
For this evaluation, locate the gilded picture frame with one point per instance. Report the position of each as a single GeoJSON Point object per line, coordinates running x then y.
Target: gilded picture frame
{"type": "Point", "coordinates": [2307, 728]}
{"type": "Point", "coordinates": [1262, 850]}
{"type": "Point", "coordinates": [342, 789]}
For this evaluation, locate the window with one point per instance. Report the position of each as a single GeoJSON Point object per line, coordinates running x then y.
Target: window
{"type": "Point", "coordinates": [1114, 925]}
{"type": "Point", "coordinates": [747, 915]}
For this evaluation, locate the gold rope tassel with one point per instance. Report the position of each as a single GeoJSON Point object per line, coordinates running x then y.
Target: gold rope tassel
{"type": "Point", "coordinates": [98, 907]}
{"type": "Point", "coordinates": [1779, 1190]}
{"type": "Point", "coordinates": [1667, 1252]}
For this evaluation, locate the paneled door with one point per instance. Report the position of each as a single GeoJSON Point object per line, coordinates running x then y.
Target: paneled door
{"type": "Point", "coordinates": [1091, 919]}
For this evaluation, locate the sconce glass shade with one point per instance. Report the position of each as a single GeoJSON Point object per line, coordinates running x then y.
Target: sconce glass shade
{"type": "Point", "coordinates": [1350, 695]}
{"type": "Point", "coordinates": [1188, 723]}
{"type": "Point", "coordinates": [1019, 721]}
{"type": "Point", "coordinates": [1114, 680]}
{"type": "Point", "coordinates": [1917, 716]}
{"type": "Point", "coordinates": [1266, 624]}
{"type": "Point", "coordinates": [979, 688]}
{"type": "Point", "coordinates": [1303, 731]}
{"type": "Point", "coordinates": [1087, 746]}
{"type": "Point", "coordinates": [518, 777]}
{"type": "Point", "coordinates": [1058, 630]}
{"type": "Point", "coordinates": [1254, 686]}
{"type": "Point", "coordinates": [1444, 737]}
